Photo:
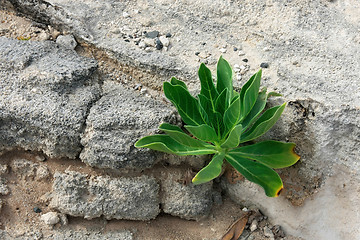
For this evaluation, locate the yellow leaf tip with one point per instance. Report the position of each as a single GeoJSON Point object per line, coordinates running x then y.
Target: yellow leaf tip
{"type": "Point", "coordinates": [279, 191]}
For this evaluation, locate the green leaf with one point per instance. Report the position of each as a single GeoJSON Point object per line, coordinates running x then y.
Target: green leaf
{"type": "Point", "coordinates": [256, 110]}
{"type": "Point", "coordinates": [203, 132]}
{"type": "Point", "coordinates": [234, 137]}
{"type": "Point", "coordinates": [211, 171]}
{"type": "Point", "coordinates": [187, 105]}
{"type": "Point", "coordinates": [224, 77]}
{"type": "Point", "coordinates": [263, 123]}
{"type": "Point", "coordinates": [164, 143]}
{"type": "Point", "coordinates": [221, 103]}
{"type": "Point", "coordinates": [178, 135]}
{"type": "Point", "coordinates": [175, 81]}
{"type": "Point", "coordinates": [271, 153]}
{"type": "Point", "coordinates": [206, 106]}
{"type": "Point", "coordinates": [207, 85]}
{"type": "Point", "coordinates": [232, 115]}
{"type": "Point", "coordinates": [249, 94]}
{"type": "Point", "coordinates": [258, 173]}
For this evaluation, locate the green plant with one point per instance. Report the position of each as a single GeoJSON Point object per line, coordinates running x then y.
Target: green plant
{"type": "Point", "coordinates": [218, 122]}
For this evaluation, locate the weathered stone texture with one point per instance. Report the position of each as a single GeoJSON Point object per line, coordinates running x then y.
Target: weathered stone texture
{"type": "Point", "coordinates": [76, 194]}
{"type": "Point", "coordinates": [45, 95]}
{"type": "Point", "coordinates": [185, 200]}
{"type": "Point", "coordinates": [116, 122]}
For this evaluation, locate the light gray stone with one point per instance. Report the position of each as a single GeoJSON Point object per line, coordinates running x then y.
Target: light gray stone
{"type": "Point", "coordinates": [115, 123]}
{"type": "Point", "coordinates": [66, 41]}
{"type": "Point", "coordinates": [50, 218]}
{"type": "Point", "coordinates": [183, 199]}
{"type": "Point", "coordinates": [45, 95]}
{"type": "Point", "coordinates": [92, 235]}
{"type": "Point", "coordinates": [80, 195]}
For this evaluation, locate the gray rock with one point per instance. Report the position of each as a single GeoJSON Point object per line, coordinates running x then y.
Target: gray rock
{"type": "Point", "coordinates": [45, 95]}
{"type": "Point", "coordinates": [4, 189]}
{"type": "Point", "coordinates": [80, 195]}
{"type": "Point", "coordinates": [191, 202]}
{"type": "Point", "coordinates": [92, 235]}
{"type": "Point", "coordinates": [66, 41]}
{"type": "Point", "coordinates": [115, 123]}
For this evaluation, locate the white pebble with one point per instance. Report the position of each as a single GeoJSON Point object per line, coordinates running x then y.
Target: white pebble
{"type": "Point", "coordinates": [142, 45]}
{"type": "Point", "coordinates": [223, 50]}
{"type": "Point", "coordinates": [238, 77]}
{"type": "Point", "coordinates": [165, 41]}
{"type": "Point", "coordinates": [125, 14]}
{"type": "Point", "coordinates": [244, 209]}
{"type": "Point", "coordinates": [150, 42]}
{"type": "Point", "coordinates": [242, 67]}
{"type": "Point", "coordinates": [254, 225]}
{"type": "Point", "coordinates": [236, 66]}
{"type": "Point", "coordinates": [148, 49]}
{"type": "Point", "coordinates": [241, 53]}
{"type": "Point", "coordinates": [266, 49]}
{"type": "Point", "coordinates": [136, 11]}
{"type": "Point", "coordinates": [50, 218]}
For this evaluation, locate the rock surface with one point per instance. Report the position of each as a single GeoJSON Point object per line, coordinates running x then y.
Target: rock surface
{"type": "Point", "coordinates": [184, 199]}
{"type": "Point", "coordinates": [115, 123]}
{"type": "Point", "coordinates": [120, 198]}
{"type": "Point", "coordinates": [45, 95]}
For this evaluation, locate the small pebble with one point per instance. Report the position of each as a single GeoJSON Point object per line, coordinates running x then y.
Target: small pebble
{"type": "Point", "coordinates": [242, 67]}
{"type": "Point", "coordinates": [125, 14]}
{"type": "Point", "coordinates": [149, 42]}
{"type": "Point", "coordinates": [254, 225]}
{"type": "Point", "coordinates": [244, 209]}
{"type": "Point", "coordinates": [268, 233]}
{"type": "Point", "coordinates": [37, 210]}
{"type": "Point", "coordinates": [142, 45]}
{"type": "Point", "coordinates": [235, 49]}
{"type": "Point", "coordinates": [137, 86]}
{"type": "Point", "coordinates": [264, 65]}
{"type": "Point", "coordinates": [50, 218]}
{"type": "Point", "coordinates": [236, 66]}
{"type": "Point", "coordinates": [197, 53]}
{"type": "Point", "coordinates": [148, 49]}
{"type": "Point", "coordinates": [241, 53]}
{"type": "Point", "coordinates": [127, 40]}
{"type": "Point", "coordinates": [159, 44]}
{"type": "Point", "coordinates": [168, 35]}
{"type": "Point", "coordinates": [165, 41]}
{"type": "Point", "coordinates": [143, 90]}
{"type": "Point", "coordinates": [266, 49]}
{"type": "Point", "coordinates": [245, 60]}
{"type": "Point", "coordinates": [238, 77]}
{"type": "Point", "coordinates": [153, 34]}
{"type": "Point", "coordinates": [223, 50]}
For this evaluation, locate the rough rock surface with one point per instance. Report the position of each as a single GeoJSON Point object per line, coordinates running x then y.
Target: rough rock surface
{"type": "Point", "coordinates": [121, 198]}
{"type": "Point", "coordinates": [45, 95]}
{"type": "Point", "coordinates": [116, 122]}
{"type": "Point", "coordinates": [75, 235]}
{"type": "Point", "coordinates": [185, 200]}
